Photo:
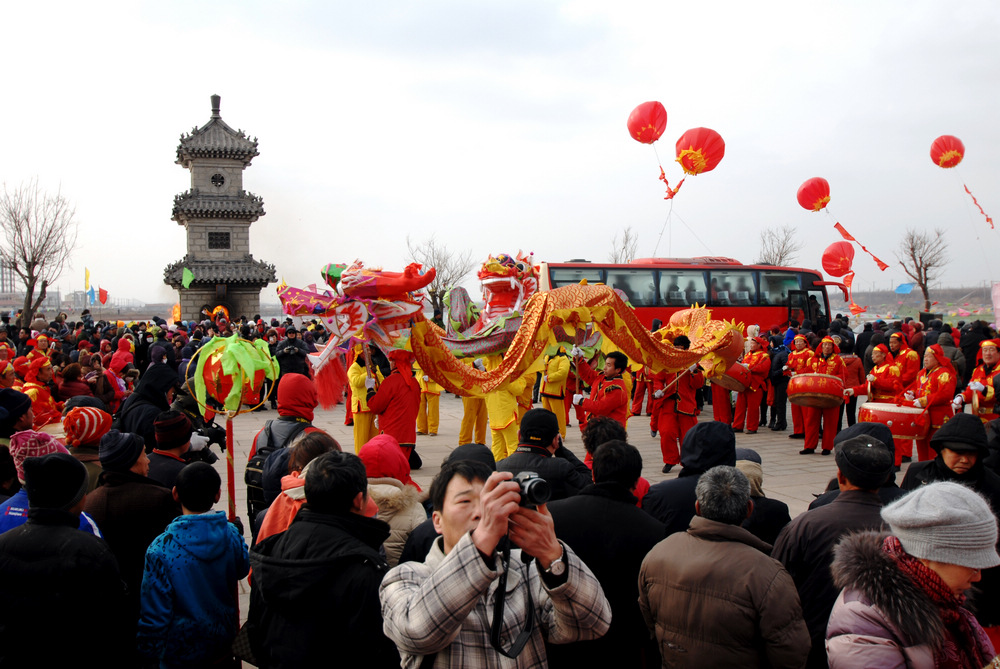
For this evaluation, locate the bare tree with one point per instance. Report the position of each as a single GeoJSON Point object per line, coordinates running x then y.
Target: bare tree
{"type": "Point", "coordinates": [923, 255]}
{"type": "Point", "coordinates": [624, 251]}
{"type": "Point", "coordinates": [778, 246]}
{"type": "Point", "coordinates": [39, 233]}
{"type": "Point", "coordinates": [450, 268]}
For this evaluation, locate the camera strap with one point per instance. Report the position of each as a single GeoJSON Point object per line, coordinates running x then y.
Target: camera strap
{"type": "Point", "coordinates": [499, 601]}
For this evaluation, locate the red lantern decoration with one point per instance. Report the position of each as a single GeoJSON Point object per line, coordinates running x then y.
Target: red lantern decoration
{"type": "Point", "coordinates": [814, 194]}
{"type": "Point", "coordinates": [647, 122]}
{"type": "Point", "coordinates": [947, 151]}
{"type": "Point", "coordinates": [838, 258]}
{"type": "Point", "coordinates": [700, 150]}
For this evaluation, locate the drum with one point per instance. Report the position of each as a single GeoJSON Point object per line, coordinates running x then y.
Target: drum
{"type": "Point", "coordinates": [903, 422]}
{"type": "Point", "coordinates": [819, 391]}
{"type": "Point", "coordinates": [736, 378]}
{"type": "Point", "coordinates": [55, 429]}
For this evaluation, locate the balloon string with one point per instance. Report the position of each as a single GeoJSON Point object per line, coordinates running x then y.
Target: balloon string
{"type": "Point", "coordinates": [665, 222]}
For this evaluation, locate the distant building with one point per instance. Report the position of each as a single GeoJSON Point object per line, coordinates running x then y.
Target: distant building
{"type": "Point", "coordinates": [217, 214]}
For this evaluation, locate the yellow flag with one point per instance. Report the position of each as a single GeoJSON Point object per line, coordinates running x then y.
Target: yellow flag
{"type": "Point", "coordinates": [86, 279]}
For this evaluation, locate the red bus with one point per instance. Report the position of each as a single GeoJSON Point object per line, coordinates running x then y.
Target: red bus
{"type": "Point", "coordinates": [752, 294]}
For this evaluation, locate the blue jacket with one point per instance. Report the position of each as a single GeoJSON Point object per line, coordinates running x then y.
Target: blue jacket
{"type": "Point", "coordinates": [14, 513]}
{"type": "Point", "coordinates": [188, 595]}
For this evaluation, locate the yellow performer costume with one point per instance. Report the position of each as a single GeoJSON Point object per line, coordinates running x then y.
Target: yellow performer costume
{"type": "Point", "coordinates": [430, 398]}
{"type": "Point", "coordinates": [501, 407]}
{"type": "Point", "coordinates": [553, 388]}
{"type": "Point", "coordinates": [364, 419]}
{"type": "Point", "coordinates": [473, 418]}
{"type": "Point", "coordinates": [524, 399]}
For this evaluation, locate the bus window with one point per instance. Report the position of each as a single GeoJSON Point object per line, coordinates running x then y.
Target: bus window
{"type": "Point", "coordinates": [639, 285]}
{"type": "Point", "coordinates": [682, 288]}
{"type": "Point", "coordinates": [570, 276]}
{"type": "Point", "coordinates": [775, 286]}
{"type": "Point", "coordinates": [733, 287]}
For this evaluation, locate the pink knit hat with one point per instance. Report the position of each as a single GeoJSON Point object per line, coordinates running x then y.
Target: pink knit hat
{"type": "Point", "coordinates": [28, 444]}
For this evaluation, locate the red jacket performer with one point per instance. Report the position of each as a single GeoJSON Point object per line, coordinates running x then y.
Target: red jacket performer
{"type": "Point", "coordinates": [905, 357]}
{"type": "Point", "coordinates": [932, 391]}
{"type": "Point", "coordinates": [674, 407]}
{"type": "Point", "coordinates": [758, 362]}
{"type": "Point", "coordinates": [799, 362]}
{"type": "Point", "coordinates": [608, 394]}
{"type": "Point", "coordinates": [397, 402]}
{"type": "Point", "coordinates": [983, 384]}
{"type": "Point", "coordinates": [827, 361]}
{"type": "Point", "coordinates": [883, 383]}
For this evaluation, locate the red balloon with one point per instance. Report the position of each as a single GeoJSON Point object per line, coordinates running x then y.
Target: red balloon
{"type": "Point", "coordinates": [838, 258]}
{"type": "Point", "coordinates": [814, 194]}
{"type": "Point", "coordinates": [647, 122]}
{"type": "Point", "coordinates": [947, 151]}
{"type": "Point", "coordinates": [700, 150]}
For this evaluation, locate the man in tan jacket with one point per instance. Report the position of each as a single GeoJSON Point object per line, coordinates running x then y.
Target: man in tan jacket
{"type": "Point", "coordinates": [713, 597]}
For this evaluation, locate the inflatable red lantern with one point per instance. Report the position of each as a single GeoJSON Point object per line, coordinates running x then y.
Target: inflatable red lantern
{"type": "Point", "coordinates": [647, 122]}
{"type": "Point", "coordinates": [700, 150]}
{"type": "Point", "coordinates": [947, 151]}
{"type": "Point", "coordinates": [814, 194]}
{"type": "Point", "coordinates": [838, 258]}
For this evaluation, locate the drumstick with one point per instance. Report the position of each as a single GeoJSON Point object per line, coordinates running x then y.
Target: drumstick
{"type": "Point", "coordinates": [676, 379]}
{"type": "Point", "coordinates": [368, 362]}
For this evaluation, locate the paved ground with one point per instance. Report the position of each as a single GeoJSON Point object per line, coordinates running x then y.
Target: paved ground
{"type": "Point", "coordinates": [792, 478]}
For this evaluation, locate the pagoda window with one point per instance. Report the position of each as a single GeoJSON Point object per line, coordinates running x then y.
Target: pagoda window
{"type": "Point", "coordinates": [219, 240]}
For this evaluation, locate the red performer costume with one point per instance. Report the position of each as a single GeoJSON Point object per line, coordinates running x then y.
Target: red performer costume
{"type": "Point", "coordinates": [905, 357]}
{"type": "Point", "coordinates": [883, 383]}
{"type": "Point", "coordinates": [41, 350]}
{"type": "Point", "coordinates": [643, 382]}
{"type": "Point", "coordinates": [608, 393]}
{"type": "Point", "coordinates": [826, 361]}
{"type": "Point", "coordinates": [46, 409]}
{"type": "Point", "coordinates": [674, 410]}
{"type": "Point", "coordinates": [983, 384]}
{"type": "Point", "coordinates": [799, 362]}
{"type": "Point", "coordinates": [397, 402]}
{"type": "Point", "coordinates": [932, 391]}
{"type": "Point", "coordinates": [758, 362]}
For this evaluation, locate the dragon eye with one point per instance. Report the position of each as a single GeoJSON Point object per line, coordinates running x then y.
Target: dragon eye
{"type": "Point", "coordinates": [522, 267]}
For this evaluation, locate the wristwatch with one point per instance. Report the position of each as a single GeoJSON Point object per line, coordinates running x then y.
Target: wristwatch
{"type": "Point", "coordinates": [557, 567]}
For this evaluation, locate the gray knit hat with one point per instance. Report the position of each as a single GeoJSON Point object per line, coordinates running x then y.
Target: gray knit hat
{"type": "Point", "coordinates": [945, 522]}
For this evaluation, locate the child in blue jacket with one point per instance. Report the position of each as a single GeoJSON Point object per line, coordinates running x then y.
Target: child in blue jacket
{"type": "Point", "coordinates": [188, 610]}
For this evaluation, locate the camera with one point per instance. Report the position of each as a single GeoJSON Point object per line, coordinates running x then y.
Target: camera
{"type": "Point", "coordinates": [534, 489]}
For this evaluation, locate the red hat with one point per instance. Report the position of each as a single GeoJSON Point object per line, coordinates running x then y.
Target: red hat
{"type": "Point", "coordinates": [384, 458]}
{"type": "Point", "coordinates": [85, 425]}
{"type": "Point", "coordinates": [297, 396]}
{"type": "Point", "coordinates": [83, 344]}
{"type": "Point", "coordinates": [400, 356]}
{"type": "Point", "coordinates": [761, 341]}
{"type": "Point", "coordinates": [36, 366]}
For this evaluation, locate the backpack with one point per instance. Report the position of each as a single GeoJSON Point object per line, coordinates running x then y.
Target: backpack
{"type": "Point", "coordinates": [254, 474]}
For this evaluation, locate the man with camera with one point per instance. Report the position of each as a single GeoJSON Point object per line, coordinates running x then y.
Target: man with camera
{"type": "Point", "coordinates": [443, 606]}
{"type": "Point", "coordinates": [541, 451]}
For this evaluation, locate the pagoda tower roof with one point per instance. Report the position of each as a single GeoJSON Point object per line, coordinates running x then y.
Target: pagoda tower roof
{"type": "Point", "coordinates": [216, 140]}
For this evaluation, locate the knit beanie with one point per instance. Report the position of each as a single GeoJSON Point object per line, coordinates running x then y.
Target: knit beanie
{"type": "Point", "coordinates": [172, 431]}
{"type": "Point", "coordinates": [864, 462]}
{"type": "Point", "coordinates": [28, 444]}
{"type": "Point", "coordinates": [945, 522]}
{"type": "Point", "coordinates": [963, 432]}
{"type": "Point", "coordinates": [55, 481]}
{"type": "Point", "coordinates": [120, 450]}
{"type": "Point", "coordinates": [16, 403]}
{"type": "Point", "coordinates": [85, 425]}
{"type": "Point", "coordinates": [474, 452]}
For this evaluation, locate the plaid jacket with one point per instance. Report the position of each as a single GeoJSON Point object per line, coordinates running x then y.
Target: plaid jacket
{"type": "Point", "coordinates": [445, 606]}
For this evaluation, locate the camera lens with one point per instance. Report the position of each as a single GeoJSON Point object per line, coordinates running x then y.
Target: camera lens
{"type": "Point", "coordinates": [535, 491]}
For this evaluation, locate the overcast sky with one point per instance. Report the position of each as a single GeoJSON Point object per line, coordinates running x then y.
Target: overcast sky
{"type": "Point", "coordinates": [500, 126]}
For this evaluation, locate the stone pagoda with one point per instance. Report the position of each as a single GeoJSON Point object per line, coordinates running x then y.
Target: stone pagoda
{"type": "Point", "coordinates": [217, 214]}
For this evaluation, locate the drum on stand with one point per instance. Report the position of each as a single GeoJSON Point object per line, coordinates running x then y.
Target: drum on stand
{"type": "Point", "coordinates": [736, 378]}
{"type": "Point", "coordinates": [903, 422]}
{"type": "Point", "coordinates": [819, 391]}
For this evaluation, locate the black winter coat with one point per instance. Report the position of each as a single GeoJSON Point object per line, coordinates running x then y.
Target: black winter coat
{"type": "Point", "coordinates": [291, 356]}
{"type": "Point", "coordinates": [805, 547]}
{"type": "Point", "coordinates": [612, 536]}
{"type": "Point", "coordinates": [63, 599]}
{"type": "Point", "coordinates": [147, 402]}
{"type": "Point", "coordinates": [314, 594]}
{"type": "Point", "coordinates": [706, 445]}
{"type": "Point", "coordinates": [565, 473]}
{"type": "Point", "coordinates": [768, 518]}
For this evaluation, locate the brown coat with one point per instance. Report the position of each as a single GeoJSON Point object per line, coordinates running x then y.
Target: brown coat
{"type": "Point", "coordinates": [713, 598]}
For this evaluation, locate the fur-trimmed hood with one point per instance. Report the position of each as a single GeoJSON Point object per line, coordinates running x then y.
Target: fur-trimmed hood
{"type": "Point", "coordinates": [859, 563]}
{"type": "Point", "coordinates": [392, 495]}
